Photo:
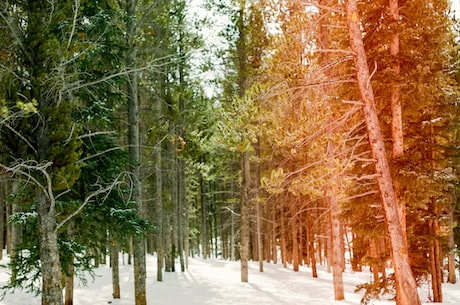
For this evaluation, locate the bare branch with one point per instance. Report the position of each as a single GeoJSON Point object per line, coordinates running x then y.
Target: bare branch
{"type": "Point", "coordinates": [75, 15]}
{"type": "Point", "coordinates": [100, 153]}
{"type": "Point", "coordinates": [90, 196]}
{"type": "Point", "coordinates": [4, 122]}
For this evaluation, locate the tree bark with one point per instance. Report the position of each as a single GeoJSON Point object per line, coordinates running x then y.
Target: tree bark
{"type": "Point", "coordinates": [244, 222]}
{"type": "Point", "coordinates": [311, 244]}
{"type": "Point", "coordinates": [2, 215]}
{"type": "Point", "coordinates": [180, 208]}
{"type": "Point", "coordinates": [14, 232]}
{"type": "Point", "coordinates": [159, 204]}
{"type": "Point", "coordinates": [435, 261]}
{"type": "Point", "coordinates": [337, 249]}
{"type": "Point", "coordinates": [452, 278]}
{"type": "Point", "coordinates": [204, 219]}
{"type": "Point", "coordinates": [140, 294]}
{"type": "Point", "coordinates": [283, 237]}
{"type": "Point", "coordinates": [259, 209]}
{"type": "Point", "coordinates": [274, 229]}
{"type": "Point", "coordinates": [49, 253]}
{"type": "Point", "coordinates": [69, 283]}
{"type": "Point", "coordinates": [70, 272]}
{"type": "Point", "coordinates": [335, 258]}
{"type": "Point", "coordinates": [295, 236]}
{"type": "Point", "coordinates": [114, 256]}
{"type": "Point", "coordinates": [396, 108]}
{"type": "Point", "coordinates": [406, 287]}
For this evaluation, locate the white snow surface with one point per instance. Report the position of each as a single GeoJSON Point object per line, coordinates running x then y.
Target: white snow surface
{"type": "Point", "coordinates": [217, 282]}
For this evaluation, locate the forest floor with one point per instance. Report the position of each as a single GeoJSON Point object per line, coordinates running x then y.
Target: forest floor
{"type": "Point", "coordinates": [217, 282]}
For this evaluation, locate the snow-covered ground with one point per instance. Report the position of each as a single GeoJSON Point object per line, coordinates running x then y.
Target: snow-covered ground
{"type": "Point", "coordinates": [217, 282]}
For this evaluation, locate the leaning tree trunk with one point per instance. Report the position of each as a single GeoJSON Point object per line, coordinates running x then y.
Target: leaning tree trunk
{"type": "Point", "coordinates": [406, 287]}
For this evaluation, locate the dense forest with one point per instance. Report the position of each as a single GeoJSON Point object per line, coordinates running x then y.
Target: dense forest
{"type": "Point", "coordinates": [294, 132]}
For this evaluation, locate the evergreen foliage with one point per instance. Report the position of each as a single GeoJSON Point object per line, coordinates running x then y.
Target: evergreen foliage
{"type": "Point", "coordinates": [283, 101]}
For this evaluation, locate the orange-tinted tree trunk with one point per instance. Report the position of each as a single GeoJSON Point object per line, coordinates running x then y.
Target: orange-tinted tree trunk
{"type": "Point", "coordinates": [406, 287]}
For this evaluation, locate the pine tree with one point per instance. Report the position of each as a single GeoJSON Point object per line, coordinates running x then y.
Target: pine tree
{"type": "Point", "coordinates": [406, 288]}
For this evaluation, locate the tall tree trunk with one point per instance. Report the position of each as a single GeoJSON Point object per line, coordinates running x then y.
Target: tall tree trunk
{"type": "Point", "coordinates": [335, 258]}
{"type": "Point", "coordinates": [14, 233]}
{"type": "Point", "coordinates": [174, 211]}
{"type": "Point", "coordinates": [49, 253]}
{"type": "Point", "coordinates": [244, 209]}
{"type": "Point", "coordinates": [2, 215]}
{"type": "Point", "coordinates": [70, 272]}
{"type": "Point", "coordinates": [69, 282]}
{"type": "Point", "coordinates": [167, 241]}
{"type": "Point", "coordinates": [283, 238]}
{"type": "Point", "coordinates": [204, 219]}
{"type": "Point", "coordinates": [406, 287]}
{"type": "Point", "coordinates": [233, 228]}
{"type": "Point", "coordinates": [7, 218]}
{"type": "Point", "coordinates": [435, 256]}
{"type": "Point", "coordinates": [311, 244]}
{"type": "Point", "coordinates": [452, 278]}
{"type": "Point", "coordinates": [435, 261]}
{"type": "Point", "coordinates": [295, 236]}
{"type": "Point", "coordinates": [180, 209]}
{"type": "Point", "coordinates": [140, 294]}
{"type": "Point", "coordinates": [159, 197]}
{"type": "Point", "coordinates": [258, 203]}
{"type": "Point", "coordinates": [396, 108]}
{"type": "Point", "coordinates": [114, 257]}
{"type": "Point", "coordinates": [274, 229]}
{"type": "Point", "coordinates": [337, 249]}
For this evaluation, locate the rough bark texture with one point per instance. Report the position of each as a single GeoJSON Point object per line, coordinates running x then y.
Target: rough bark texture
{"type": "Point", "coordinates": [244, 226]}
{"type": "Point", "coordinates": [336, 257]}
{"type": "Point", "coordinates": [180, 208]}
{"type": "Point", "coordinates": [134, 153]}
{"type": "Point", "coordinates": [14, 233]}
{"type": "Point", "coordinates": [2, 216]}
{"type": "Point", "coordinates": [49, 254]}
{"type": "Point", "coordinates": [294, 237]}
{"type": "Point", "coordinates": [337, 249]}
{"type": "Point", "coordinates": [283, 238]}
{"type": "Point", "coordinates": [70, 272]}
{"type": "Point", "coordinates": [204, 219]}
{"type": "Point", "coordinates": [69, 284]}
{"type": "Point", "coordinates": [435, 260]}
{"type": "Point", "coordinates": [114, 251]}
{"type": "Point", "coordinates": [259, 210]}
{"type": "Point", "coordinates": [451, 278]}
{"type": "Point", "coordinates": [406, 287]}
{"type": "Point", "coordinates": [159, 205]}
{"type": "Point", "coordinates": [311, 244]}
{"type": "Point", "coordinates": [396, 108]}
